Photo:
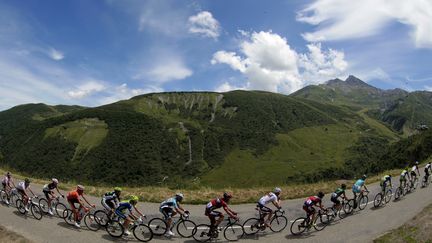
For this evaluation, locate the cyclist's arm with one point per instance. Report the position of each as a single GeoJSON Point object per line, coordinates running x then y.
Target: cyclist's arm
{"type": "Point", "coordinates": [31, 191]}
{"type": "Point", "coordinates": [85, 199]}
{"type": "Point", "coordinates": [13, 184]}
{"type": "Point", "coordinates": [344, 195]}
{"type": "Point", "coordinates": [136, 209]}
{"type": "Point", "coordinates": [365, 187]}
{"type": "Point", "coordinates": [180, 209]}
{"type": "Point", "coordinates": [277, 204]}
{"type": "Point", "coordinates": [59, 192]}
{"type": "Point", "coordinates": [231, 213]}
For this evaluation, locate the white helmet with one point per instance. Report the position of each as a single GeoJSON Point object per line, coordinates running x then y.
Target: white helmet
{"type": "Point", "coordinates": [179, 196]}
{"type": "Point", "coordinates": [277, 190]}
{"type": "Point", "coordinates": [55, 180]}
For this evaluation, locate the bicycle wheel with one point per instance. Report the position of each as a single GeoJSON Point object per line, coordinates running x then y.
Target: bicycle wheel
{"type": "Point", "coordinates": [378, 200]}
{"type": "Point", "coordinates": [115, 229]}
{"type": "Point", "coordinates": [43, 203]}
{"type": "Point", "coordinates": [332, 212]}
{"type": "Point", "coordinates": [398, 193]}
{"type": "Point", "coordinates": [60, 208]}
{"type": "Point", "coordinates": [322, 221]}
{"type": "Point", "coordinates": [20, 206]}
{"type": "Point", "coordinates": [202, 233]}
{"type": "Point", "coordinates": [68, 217]}
{"type": "Point", "coordinates": [233, 232]}
{"type": "Point", "coordinates": [143, 233]}
{"type": "Point", "coordinates": [90, 222]}
{"type": "Point", "coordinates": [3, 196]}
{"type": "Point", "coordinates": [158, 226]}
{"type": "Point", "coordinates": [101, 217]}
{"type": "Point", "coordinates": [415, 183]}
{"type": "Point", "coordinates": [278, 223]}
{"type": "Point", "coordinates": [388, 195]}
{"type": "Point", "coordinates": [423, 183]}
{"type": "Point", "coordinates": [348, 207]}
{"type": "Point", "coordinates": [363, 202]}
{"type": "Point", "coordinates": [298, 226]}
{"type": "Point", "coordinates": [251, 226]}
{"type": "Point", "coordinates": [186, 228]}
{"type": "Point", "coordinates": [36, 211]}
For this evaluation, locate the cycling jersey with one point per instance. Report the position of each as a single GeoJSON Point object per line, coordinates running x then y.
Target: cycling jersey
{"type": "Point", "coordinates": [21, 186]}
{"type": "Point", "coordinates": [215, 204]}
{"type": "Point", "coordinates": [414, 168]}
{"type": "Point", "coordinates": [124, 209]}
{"type": "Point", "coordinates": [49, 187]}
{"type": "Point", "coordinates": [110, 196]}
{"type": "Point", "coordinates": [428, 166]}
{"type": "Point", "coordinates": [6, 181]}
{"type": "Point", "coordinates": [312, 201]}
{"type": "Point", "coordinates": [357, 186]}
{"type": "Point", "coordinates": [73, 195]}
{"type": "Point", "coordinates": [337, 193]}
{"type": "Point", "coordinates": [271, 197]}
{"type": "Point", "coordinates": [386, 178]}
{"type": "Point", "coordinates": [169, 203]}
{"type": "Point", "coordinates": [404, 174]}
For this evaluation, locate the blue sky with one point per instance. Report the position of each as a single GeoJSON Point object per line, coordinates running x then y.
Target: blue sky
{"type": "Point", "coordinates": [97, 52]}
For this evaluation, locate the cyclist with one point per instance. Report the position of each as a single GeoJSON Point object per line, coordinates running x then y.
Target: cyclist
{"type": "Point", "coordinates": [22, 188]}
{"type": "Point", "coordinates": [427, 171]}
{"type": "Point", "coordinates": [384, 180]}
{"type": "Point", "coordinates": [48, 190]}
{"type": "Point", "coordinates": [271, 197]}
{"type": "Point", "coordinates": [403, 178]}
{"type": "Point", "coordinates": [169, 208]}
{"type": "Point", "coordinates": [110, 200]}
{"type": "Point", "coordinates": [338, 193]}
{"type": "Point", "coordinates": [216, 204]}
{"type": "Point", "coordinates": [413, 171]}
{"type": "Point", "coordinates": [124, 211]}
{"type": "Point", "coordinates": [357, 188]}
{"type": "Point", "coordinates": [312, 202]}
{"type": "Point", "coordinates": [73, 197]}
{"type": "Point", "coordinates": [7, 182]}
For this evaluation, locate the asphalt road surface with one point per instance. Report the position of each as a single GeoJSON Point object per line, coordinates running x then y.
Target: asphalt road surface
{"type": "Point", "coordinates": [361, 226]}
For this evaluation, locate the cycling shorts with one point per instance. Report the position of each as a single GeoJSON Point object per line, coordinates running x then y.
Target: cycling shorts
{"type": "Point", "coordinates": [264, 209]}
{"type": "Point", "coordinates": [212, 213]}
{"type": "Point", "coordinates": [335, 200]}
{"type": "Point", "coordinates": [309, 209]}
{"type": "Point", "coordinates": [167, 212]}
{"type": "Point", "coordinates": [121, 214]}
{"type": "Point", "coordinates": [108, 205]}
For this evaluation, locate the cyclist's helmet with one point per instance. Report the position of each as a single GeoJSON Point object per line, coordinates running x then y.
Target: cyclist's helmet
{"type": "Point", "coordinates": [133, 199]}
{"type": "Point", "coordinates": [416, 163]}
{"type": "Point", "coordinates": [227, 196]}
{"type": "Point", "coordinates": [55, 181]}
{"type": "Point", "coordinates": [27, 181]}
{"type": "Point", "coordinates": [320, 195]}
{"type": "Point", "coordinates": [364, 177]}
{"type": "Point", "coordinates": [8, 174]}
{"type": "Point", "coordinates": [343, 186]}
{"type": "Point", "coordinates": [117, 189]}
{"type": "Point", "coordinates": [80, 188]}
{"type": "Point", "coordinates": [277, 191]}
{"type": "Point", "coordinates": [179, 197]}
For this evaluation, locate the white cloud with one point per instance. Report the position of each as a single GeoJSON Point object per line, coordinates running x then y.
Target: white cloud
{"type": "Point", "coordinates": [169, 70]}
{"type": "Point", "coordinates": [340, 19]}
{"type": "Point", "coordinates": [86, 89]}
{"type": "Point", "coordinates": [269, 63]}
{"type": "Point", "coordinates": [428, 88]}
{"type": "Point", "coordinates": [122, 92]}
{"type": "Point", "coordinates": [204, 24]}
{"type": "Point", "coordinates": [226, 86]}
{"type": "Point", "coordinates": [56, 54]}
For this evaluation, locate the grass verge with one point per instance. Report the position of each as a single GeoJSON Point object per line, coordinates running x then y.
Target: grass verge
{"type": "Point", "coordinates": [7, 236]}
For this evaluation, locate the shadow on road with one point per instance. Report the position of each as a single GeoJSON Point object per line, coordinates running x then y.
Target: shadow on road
{"type": "Point", "coordinates": [67, 226]}
{"type": "Point", "coordinates": [108, 237]}
{"type": "Point", "coordinates": [297, 237]}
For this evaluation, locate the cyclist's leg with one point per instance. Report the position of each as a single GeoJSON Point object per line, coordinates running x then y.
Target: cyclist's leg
{"type": "Point", "coordinates": [167, 213]}
{"type": "Point", "coordinates": [74, 209]}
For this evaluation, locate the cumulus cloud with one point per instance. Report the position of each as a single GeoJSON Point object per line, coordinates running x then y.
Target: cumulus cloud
{"type": "Point", "coordinates": [121, 92]}
{"type": "Point", "coordinates": [86, 89]}
{"type": "Point", "coordinates": [168, 70]}
{"type": "Point", "coordinates": [340, 19]}
{"type": "Point", "coordinates": [55, 54]}
{"type": "Point", "coordinates": [204, 24]}
{"type": "Point", "coordinates": [269, 63]}
{"type": "Point", "coordinates": [226, 86]}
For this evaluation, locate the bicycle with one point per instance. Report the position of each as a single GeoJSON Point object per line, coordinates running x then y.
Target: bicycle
{"type": "Point", "coordinates": [141, 231]}
{"type": "Point", "coordinates": [413, 184]}
{"type": "Point", "coordinates": [83, 213]}
{"type": "Point", "coordinates": [278, 222]}
{"type": "Point", "coordinates": [34, 208]}
{"type": "Point", "coordinates": [185, 227]}
{"type": "Point", "coordinates": [347, 207]}
{"type": "Point", "coordinates": [12, 195]}
{"type": "Point", "coordinates": [383, 198]}
{"type": "Point", "coordinates": [233, 231]}
{"type": "Point", "coordinates": [300, 225]}
{"type": "Point", "coordinates": [426, 181]}
{"type": "Point", "coordinates": [401, 191]}
{"type": "Point", "coordinates": [55, 205]}
{"type": "Point", "coordinates": [361, 201]}
{"type": "Point", "coordinates": [102, 218]}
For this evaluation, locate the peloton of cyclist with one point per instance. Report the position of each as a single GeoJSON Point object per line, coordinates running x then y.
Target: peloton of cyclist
{"type": "Point", "coordinates": [73, 197]}
{"type": "Point", "coordinates": [124, 211]}
{"type": "Point", "coordinates": [48, 190]}
{"type": "Point", "coordinates": [169, 208]}
{"type": "Point", "coordinates": [385, 180]}
{"type": "Point", "coordinates": [312, 202]}
{"type": "Point", "coordinates": [110, 200]}
{"type": "Point", "coordinates": [271, 197]}
{"type": "Point", "coordinates": [357, 188]}
{"type": "Point", "coordinates": [340, 192]}
{"type": "Point", "coordinates": [22, 188]}
{"type": "Point", "coordinates": [7, 183]}
{"type": "Point", "coordinates": [217, 203]}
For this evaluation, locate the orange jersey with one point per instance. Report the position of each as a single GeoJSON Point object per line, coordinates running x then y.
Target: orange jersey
{"type": "Point", "coordinates": [73, 195]}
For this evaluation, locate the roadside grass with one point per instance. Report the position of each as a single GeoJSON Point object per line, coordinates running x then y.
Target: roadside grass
{"type": "Point", "coordinates": [418, 229]}
{"type": "Point", "coordinates": [201, 195]}
{"type": "Point", "coordinates": [301, 150]}
{"type": "Point", "coordinates": [7, 236]}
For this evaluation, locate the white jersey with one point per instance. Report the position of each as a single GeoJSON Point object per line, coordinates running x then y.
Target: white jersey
{"type": "Point", "coordinates": [414, 168]}
{"type": "Point", "coordinates": [428, 166]}
{"type": "Point", "coordinates": [21, 186]}
{"type": "Point", "coordinates": [271, 197]}
{"type": "Point", "coordinates": [6, 180]}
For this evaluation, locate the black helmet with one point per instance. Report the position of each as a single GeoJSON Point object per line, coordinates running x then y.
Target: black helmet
{"type": "Point", "coordinates": [27, 180]}
{"type": "Point", "coordinates": [343, 186]}
{"type": "Point", "coordinates": [364, 177]}
{"type": "Point", "coordinates": [320, 194]}
{"type": "Point", "coordinates": [8, 174]}
{"type": "Point", "coordinates": [227, 196]}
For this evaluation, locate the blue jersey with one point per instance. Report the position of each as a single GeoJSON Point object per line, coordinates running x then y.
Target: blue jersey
{"type": "Point", "coordinates": [360, 183]}
{"type": "Point", "coordinates": [123, 206]}
{"type": "Point", "coordinates": [171, 202]}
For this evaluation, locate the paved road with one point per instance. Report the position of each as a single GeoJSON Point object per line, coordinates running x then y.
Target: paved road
{"type": "Point", "coordinates": [362, 226]}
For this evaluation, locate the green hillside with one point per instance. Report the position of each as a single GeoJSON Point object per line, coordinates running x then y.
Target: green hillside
{"type": "Point", "coordinates": [177, 138]}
